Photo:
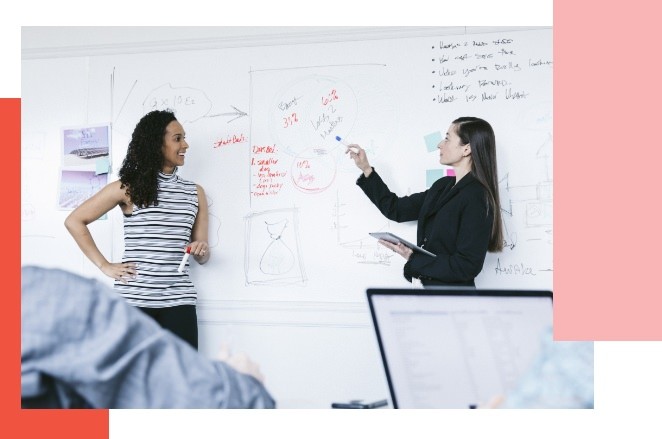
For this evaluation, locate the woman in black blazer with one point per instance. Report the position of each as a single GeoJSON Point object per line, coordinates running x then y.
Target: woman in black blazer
{"type": "Point", "coordinates": [459, 218]}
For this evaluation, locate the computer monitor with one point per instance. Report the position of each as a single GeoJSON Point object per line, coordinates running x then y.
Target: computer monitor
{"type": "Point", "coordinates": [456, 347]}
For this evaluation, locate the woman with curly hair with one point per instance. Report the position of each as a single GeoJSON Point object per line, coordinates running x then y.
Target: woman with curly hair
{"type": "Point", "coordinates": [163, 215]}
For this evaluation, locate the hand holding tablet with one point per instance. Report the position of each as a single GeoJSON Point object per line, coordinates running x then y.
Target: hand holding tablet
{"type": "Point", "coordinates": [390, 237]}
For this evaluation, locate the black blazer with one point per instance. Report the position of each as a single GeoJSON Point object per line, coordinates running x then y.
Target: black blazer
{"type": "Point", "coordinates": [454, 222]}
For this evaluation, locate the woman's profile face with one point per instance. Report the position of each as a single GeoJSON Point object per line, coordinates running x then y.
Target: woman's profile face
{"type": "Point", "coordinates": [451, 150]}
{"type": "Point", "coordinates": [174, 146]}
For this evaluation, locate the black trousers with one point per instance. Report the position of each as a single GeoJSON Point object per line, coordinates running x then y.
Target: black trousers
{"type": "Point", "coordinates": [181, 320]}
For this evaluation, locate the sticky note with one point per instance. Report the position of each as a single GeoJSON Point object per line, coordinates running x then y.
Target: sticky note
{"type": "Point", "coordinates": [102, 165]}
{"type": "Point", "coordinates": [432, 140]}
{"type": "Point", "coordinates": [432, 175]}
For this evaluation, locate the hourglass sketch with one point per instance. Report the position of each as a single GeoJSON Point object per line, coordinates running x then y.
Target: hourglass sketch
{"type": "Point", "coordinates": [272, 248]}
{"type": "Point", "coordinates": [277, 258]}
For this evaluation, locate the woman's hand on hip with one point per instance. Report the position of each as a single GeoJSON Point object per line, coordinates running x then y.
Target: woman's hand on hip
{"type": "Point", "coordinates": [120, 271]}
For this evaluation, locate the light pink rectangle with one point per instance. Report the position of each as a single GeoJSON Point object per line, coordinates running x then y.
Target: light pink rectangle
{"type": "Point", "coordinates": [607, 159]}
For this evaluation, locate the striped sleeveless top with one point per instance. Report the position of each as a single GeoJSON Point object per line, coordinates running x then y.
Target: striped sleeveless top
{"type": "Point", "coordinates": [155, 238]}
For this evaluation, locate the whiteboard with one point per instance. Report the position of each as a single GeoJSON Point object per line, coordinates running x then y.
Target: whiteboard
{"type": "Point", "coordinates": [288, 220]}
{"type": "Point", "coordinates": [288, 225]}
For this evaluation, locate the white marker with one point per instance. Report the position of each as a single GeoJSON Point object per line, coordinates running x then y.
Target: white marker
{"type": "Point", "coordinates": [353, 148]}
{"type": "Point", "coordinates": [184, 259]}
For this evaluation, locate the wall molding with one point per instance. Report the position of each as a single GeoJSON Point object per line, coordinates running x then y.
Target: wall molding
{"type": "Point", "coordinates": [284, 313]}
{"type": "Point", "coordinates": [288, 37]}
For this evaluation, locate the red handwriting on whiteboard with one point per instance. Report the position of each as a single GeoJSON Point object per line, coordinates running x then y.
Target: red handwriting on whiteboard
{"type": "Point", "coordinates": [332, 96]}
{"type": "Point", "coordinates": [230, 140]}
{"type": "Point", "coordinates": [290, 120]}
{"type": "Point", "coordinates": [268, 175]}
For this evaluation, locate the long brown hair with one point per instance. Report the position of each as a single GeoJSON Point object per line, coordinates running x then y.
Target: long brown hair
{"type": "Point", "coordinates": [480, 135]}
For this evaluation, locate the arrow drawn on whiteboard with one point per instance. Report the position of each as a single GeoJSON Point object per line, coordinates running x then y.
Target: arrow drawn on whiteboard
{"type": "Point", "coordinates": [237, 112]}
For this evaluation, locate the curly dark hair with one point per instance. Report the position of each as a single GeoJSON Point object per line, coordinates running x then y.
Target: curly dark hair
{"type": "Point", "coordinates": [144, 158]}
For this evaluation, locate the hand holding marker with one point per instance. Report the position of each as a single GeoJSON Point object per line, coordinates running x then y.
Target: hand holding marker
{"type": "Point", "coordinates": [353, 148]}
{"type": "Point", "coordinates": [184, 259]}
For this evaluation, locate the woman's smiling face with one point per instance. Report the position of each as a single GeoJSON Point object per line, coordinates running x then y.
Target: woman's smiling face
{"type": "Point", "coordinates": [174, 147]}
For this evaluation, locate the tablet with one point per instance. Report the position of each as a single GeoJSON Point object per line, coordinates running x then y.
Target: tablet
{"type": "Point", "coordinates": [390, 237]}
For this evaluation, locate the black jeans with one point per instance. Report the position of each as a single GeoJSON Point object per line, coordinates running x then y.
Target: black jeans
{"type": "Point", "coordinates": [181, 320]}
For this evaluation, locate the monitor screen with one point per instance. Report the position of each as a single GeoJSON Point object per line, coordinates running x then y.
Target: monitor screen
{"type": "Point", "coordinates": [457, 348]}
